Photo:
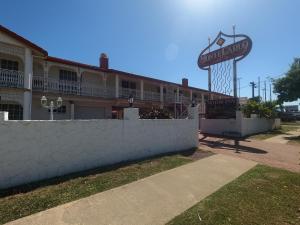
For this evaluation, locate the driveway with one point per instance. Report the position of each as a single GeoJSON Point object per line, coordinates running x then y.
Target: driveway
{"type": "Point", "coordinates": [274, 154]}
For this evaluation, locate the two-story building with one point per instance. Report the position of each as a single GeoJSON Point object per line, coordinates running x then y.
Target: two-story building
{"type": "Point", "coordinates": [27, 73]}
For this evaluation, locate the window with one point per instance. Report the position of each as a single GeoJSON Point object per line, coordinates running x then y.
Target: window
{"type": "Point", "coordinates": [128, 84]}
{"type": "Point", "coordinates": [9, 65]}
{"type": "Point", "coordinates": [67, 75]}
{"type": "Point", "coordinates": [125, 84]}
{"type": "Point", "coordinates": [15, 111]}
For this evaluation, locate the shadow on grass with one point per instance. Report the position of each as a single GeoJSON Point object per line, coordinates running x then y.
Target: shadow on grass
{"type": "Point", "coordinates": [293, 138]}
{"type": "Point", "coordinates": [56, 180]}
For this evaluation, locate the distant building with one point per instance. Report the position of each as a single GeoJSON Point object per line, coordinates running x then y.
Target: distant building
{"type": "Point", "coordinates": [27, 73]}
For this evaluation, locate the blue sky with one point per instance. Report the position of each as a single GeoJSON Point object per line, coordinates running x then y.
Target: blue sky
{"type": "Point", "coordinates": [160, 38]}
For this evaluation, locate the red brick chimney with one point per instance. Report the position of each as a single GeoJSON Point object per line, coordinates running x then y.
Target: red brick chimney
{"type": "Point", "coordinates": [103, 61]}
{"type": "Point", "coordinates": [185, 82]}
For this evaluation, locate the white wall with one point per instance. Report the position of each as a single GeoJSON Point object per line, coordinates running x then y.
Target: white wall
{"type": "Point", "coordinates": [245, 126]}
{"type": "Point", "coordinates": [35, 150]}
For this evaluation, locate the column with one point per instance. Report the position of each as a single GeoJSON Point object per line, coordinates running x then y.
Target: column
{"type": "Point", "coordinates": [161, 92]}
{"type": "Point", "coordinates": [191, 95]}
{"type": "Point", "coordinates": [72, 106]}
{"type": "Point", "coordinates": [45, 86]}
{"type": "Point", "coordinates": [117, 86]}
{"type": "Point", "coordinates": [142, 90]}
{"type": "Point", "coordinates": [202, 103]}
{"type": "Point", "coordinates": [177, 95]}
{"type": "Point", "coordinates": [27, 102]}
{"type": "Point", "coordinates": [79, 80]}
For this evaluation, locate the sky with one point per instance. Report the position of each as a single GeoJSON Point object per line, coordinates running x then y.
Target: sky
{"type": "Point", "coordinates": [160, 38]}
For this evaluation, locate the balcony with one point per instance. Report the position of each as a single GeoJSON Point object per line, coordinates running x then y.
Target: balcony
{"type": "Point", "coordinates": [151, 96]}
{"type": "Point", "coordinates": [126, 92]}
{"type": "Point", "coordinates": [11, 78]}
{"type": "Point", "coordinates": [84, 89]}
{"type": "Point", "coordinates": [71, 87]}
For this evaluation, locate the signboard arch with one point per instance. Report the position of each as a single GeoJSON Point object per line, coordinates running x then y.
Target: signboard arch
{"type": "Point", "coordinates": [220, 61]}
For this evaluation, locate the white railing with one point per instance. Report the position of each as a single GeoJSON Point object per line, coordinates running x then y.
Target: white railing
{"type": "Point", "coordinates": [11, 78]}
{"type": "Point", "coordinates": [38, 83]}
{"type": "Point", "coordinates": [152, 96]}
{"type": "Point", "coordinates": [97, 91]}
{"type": "Point", "coordinates": [169, 97]}
{"type": "Point", "coordinates": [71, 87]}
{"type": "Point", "coordinates": [126, 92]}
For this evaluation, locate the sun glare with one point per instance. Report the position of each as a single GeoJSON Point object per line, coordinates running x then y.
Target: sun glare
{"type": "Point", "coordinates": [197, 4]}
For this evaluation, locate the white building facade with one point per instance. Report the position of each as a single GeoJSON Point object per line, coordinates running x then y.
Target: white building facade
{"type": "Point", "coordinates": [27, 73]}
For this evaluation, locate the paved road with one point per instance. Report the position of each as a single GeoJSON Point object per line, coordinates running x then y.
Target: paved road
{"type": "Point", "coordinates": [153, 200]}
{"type": "Point", "coordinates": [274, 154]}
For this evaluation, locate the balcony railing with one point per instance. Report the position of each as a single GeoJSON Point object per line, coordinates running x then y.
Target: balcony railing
{"type": "Point", "coordinates": [71, 87]}
{"type": "Point", "coordinates": [151, 96]}
{"type": "Point", "coordinates": [126, 92]}
{"type": "Point", "coordinates": [11, 78]}
{"type": "Point", "coordinates": [86, 89]}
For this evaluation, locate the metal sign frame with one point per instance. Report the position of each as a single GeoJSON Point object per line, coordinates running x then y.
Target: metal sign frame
{"type": "Point", "coordinates": [236, 51]}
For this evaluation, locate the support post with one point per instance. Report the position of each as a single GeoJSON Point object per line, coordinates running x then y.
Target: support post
{"type": "Point", "coordinates": [117, 86]}
{"type": "Point", "coordinates": [27, 101]}
{"type": "Point", "coordinates": [45, 86]}
{"type": "Point", "coordinates": [142, 90]}
{"type": "Point", "coordinates": [161, 92]}
{"type": "Point", "coordinates": [72, 111]}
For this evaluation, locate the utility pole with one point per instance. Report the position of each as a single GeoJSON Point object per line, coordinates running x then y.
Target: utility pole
{"type": "Point", "coordinates": [253, 85]}
{"type": "Point", "coordinates": [259, 87]}
{"type": "Point", "coordinates": [239, 80]}
{"type": "Point", "coordinates": [265, 90]}
{"type": "Point", "coordinates": [270, 92]}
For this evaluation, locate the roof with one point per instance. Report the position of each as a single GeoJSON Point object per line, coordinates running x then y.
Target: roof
{"type": "Point", "coordinates": [127, 74]}
{"type": "Point", "coordinates": [91, 67]}
{"type": "Point", "coordinates": [23, 40]}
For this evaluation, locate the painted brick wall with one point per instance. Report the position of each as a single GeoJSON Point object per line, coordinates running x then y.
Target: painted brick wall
{"type": "Point", "coordinates": [35, 150]}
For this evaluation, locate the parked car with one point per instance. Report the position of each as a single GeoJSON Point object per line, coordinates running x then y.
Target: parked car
{"type": "Point", "coordinates": [287, 116]}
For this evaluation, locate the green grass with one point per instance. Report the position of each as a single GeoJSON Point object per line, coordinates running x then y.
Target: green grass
{"type": "Point", "coordinates": [284, 129]}
{"type": "Point", "coordinates": [26, 200]}
{"type": "Point", "coordinates": [263, 195]}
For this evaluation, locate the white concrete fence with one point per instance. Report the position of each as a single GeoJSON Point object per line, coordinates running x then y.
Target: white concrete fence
{"type": "Point", "coordinates": [35, 150]}
{"type": "Point", "coordinates": [241, 125]}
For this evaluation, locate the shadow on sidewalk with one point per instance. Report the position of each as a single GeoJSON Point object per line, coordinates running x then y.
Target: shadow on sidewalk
{"type": "Point", "coordinates": [221, 145]}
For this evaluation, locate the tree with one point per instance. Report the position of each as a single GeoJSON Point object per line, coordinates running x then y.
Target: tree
{"type": "Point", "coordinates": [262, 109]}
{"type": "Point", "coordinates": [288, 87]}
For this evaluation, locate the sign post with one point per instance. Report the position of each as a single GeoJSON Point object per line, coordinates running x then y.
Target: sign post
{"type": "Point", "coordinates": [220, 61]}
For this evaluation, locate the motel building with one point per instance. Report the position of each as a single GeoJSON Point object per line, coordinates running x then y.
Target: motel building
{"type": "Point", "coordinates": [27, 73]}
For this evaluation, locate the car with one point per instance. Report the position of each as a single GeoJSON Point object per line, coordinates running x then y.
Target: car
{"type": "Point", "coordinates": [286, 116]}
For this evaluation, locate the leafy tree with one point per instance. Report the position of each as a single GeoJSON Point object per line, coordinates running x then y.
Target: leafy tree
{"type": "Point", "coordinates": [288, 87]}
{"type": "Point", "coordinates": [262, 109]}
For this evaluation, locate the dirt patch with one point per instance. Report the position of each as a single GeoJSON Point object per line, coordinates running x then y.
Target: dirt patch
{"type": "Point", "coordinates": [200, 154]}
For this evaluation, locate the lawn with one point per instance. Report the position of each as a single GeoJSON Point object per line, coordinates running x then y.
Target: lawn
{"type": "Point", "coordinates": [263, 195]}
{"type": "Point", "coordinates": [284, 129]}
{"type": "Point", "coordinates": [26, 200]}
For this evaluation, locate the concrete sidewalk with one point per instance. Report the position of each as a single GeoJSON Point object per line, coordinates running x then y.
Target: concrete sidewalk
{"type": "Point", "coordinates": [152, 200]}
{"type": "Point", "coordinates": [273, 154]}
{"type": "Point", "coordinates": [283, 138]}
